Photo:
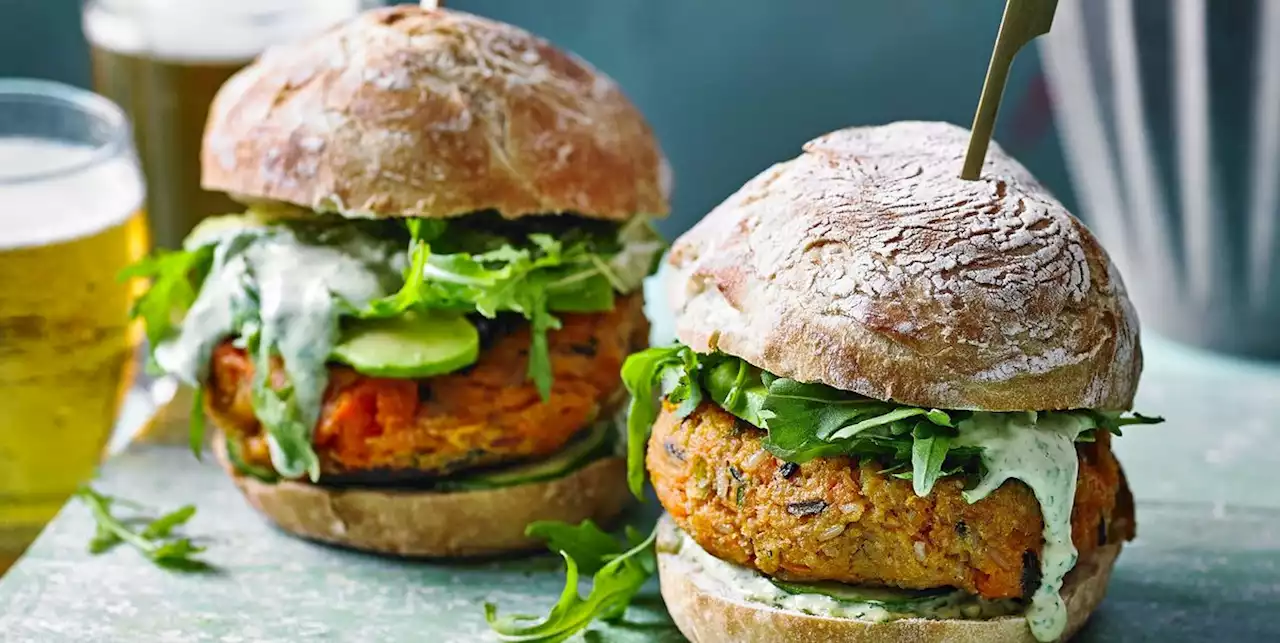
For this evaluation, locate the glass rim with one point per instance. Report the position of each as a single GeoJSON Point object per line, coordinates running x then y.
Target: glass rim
{"type": "Point", "coordinates": [62, 95]}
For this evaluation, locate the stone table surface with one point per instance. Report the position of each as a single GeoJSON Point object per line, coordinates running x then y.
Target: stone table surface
{"type": "Point", "coordinates": [1205, 566]}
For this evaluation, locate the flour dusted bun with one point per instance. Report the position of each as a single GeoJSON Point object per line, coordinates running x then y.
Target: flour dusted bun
{"type": "Point", "coordinates": [406, 111]}
{"type": "Point", "coordinates": [866, 264]}
{"type": "Point", "coordinates": [706, 615]}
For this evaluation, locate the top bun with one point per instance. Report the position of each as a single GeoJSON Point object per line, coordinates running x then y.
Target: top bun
{"type": "Point", "coordinates": [866, 264]}
{"type": "Point", "coordinates": [413, 112]}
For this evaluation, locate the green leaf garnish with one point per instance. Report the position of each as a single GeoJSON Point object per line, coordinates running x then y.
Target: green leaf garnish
{"type": "Point", "coordinates": [618, 575]}
{"type": "Point", "coordinates": [502, 266]}
{"type": "Point", "coordinates": [155, 540]}
{"type": "Point", "coordinates": [806, 421]}
{"type": "Point", "coordinates": [666, 371]}
{"type": "Point", "coordinates": [737, 387]}
{"type": "Point", "coordinates": [236, 458]}
{"type": "Point", "coordinates": [585, 543]}
{"type": "Point", "coordinates": [928, 453]}
{"type": "Point", "coordinates": [195, 432]}
{"type": "Point", "coordinates": [175, 278]}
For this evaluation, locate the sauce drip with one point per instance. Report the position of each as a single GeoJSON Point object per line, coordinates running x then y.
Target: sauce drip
{"type": "Point", "coordinates": [1039, 451]}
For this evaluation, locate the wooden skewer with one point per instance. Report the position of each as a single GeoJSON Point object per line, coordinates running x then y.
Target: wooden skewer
{"type": "Point", "coordinates": [1023, 20]}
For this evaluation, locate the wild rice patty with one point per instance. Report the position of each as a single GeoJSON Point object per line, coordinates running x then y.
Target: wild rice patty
{"type": "Point", "coordinates": [833, 519]}
{"type": "Point", "coordinates": [484, 415]}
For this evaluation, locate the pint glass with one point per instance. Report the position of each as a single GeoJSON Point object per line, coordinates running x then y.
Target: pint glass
{"type": "Point", "coordinates": [163, 61]}
{"type": "Point", "coordinates": [70, 219]}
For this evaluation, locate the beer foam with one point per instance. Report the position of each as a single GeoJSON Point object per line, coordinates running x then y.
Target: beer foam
{"type": "Point", "coordinates": [209, 31]}
{"type": "Point", "coordinates": [53, 191]}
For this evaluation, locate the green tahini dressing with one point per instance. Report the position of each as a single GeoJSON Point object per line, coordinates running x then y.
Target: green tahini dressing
{"type": "Point", "coordinates": [1041, 453]}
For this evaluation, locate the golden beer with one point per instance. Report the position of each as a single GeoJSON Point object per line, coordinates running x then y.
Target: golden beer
{"type": "Point", "coordinates": [70, 220]}
{"type": "Point", "coordinates": [164, 61]}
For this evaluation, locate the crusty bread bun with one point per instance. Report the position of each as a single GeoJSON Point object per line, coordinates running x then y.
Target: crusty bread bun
{"type": "Point", "coordinates": [436, 524]}
{"type": "Point", "coordinates": [406, 111]}
{"type": "Point", "coordinates": [866, 264]}
{"type": "Point", "coordinates": [705, 616]}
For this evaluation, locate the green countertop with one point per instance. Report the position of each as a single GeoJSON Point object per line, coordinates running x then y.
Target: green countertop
{"type": "Point", "coordinates": [1206, 564]}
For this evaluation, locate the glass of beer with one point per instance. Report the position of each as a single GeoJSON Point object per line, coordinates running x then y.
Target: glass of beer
{"type": "Point", "coordinates": [71, 218]}
{"type": "Point", "coordinates": [163, 61]}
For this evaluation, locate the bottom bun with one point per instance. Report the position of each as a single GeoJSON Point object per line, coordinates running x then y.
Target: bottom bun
{"type": "Point", "coordinates": [707, 617]}
{"type": "Point", "coordinates": [436, 524]}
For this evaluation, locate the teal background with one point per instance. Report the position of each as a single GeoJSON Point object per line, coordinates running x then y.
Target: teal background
{"type": "Point", "coordinates": [730, 86]}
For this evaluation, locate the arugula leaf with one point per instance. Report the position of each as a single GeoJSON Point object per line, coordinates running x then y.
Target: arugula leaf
{"type": "Point", "coordinates": [494, 266]}
{"type": "Point", "coordinates": [155, 540]}
{"type": "Point", "coordinates": [586, 543]}
{"type": "Point", "coordinates": [236, 458]}
{"type": "Point", "coordinates": [674, 370]}
{"type": "Point", "coordinates": [164, 525]}
{"type": "Point", "coordinates": [806, 420]}
{"type": "Point", "coordinates": [1113, 420]}
{"type": "Point", "coordinates": [738, 388]}
{"type": "Point", "coordinates": [175, 277]}
{"type": "Point", "coordinates": [288, 438]}
{"type": "Point", "coordinates": [618, 577]}
{"type": "Point", "coordinates": [195, 432]}
{"type": "Point", "coordinates": [421, 231]}
{"type": "Point", "coordinates": [640, 250]}
{"type": "Point", "coordinates": [928, 454]}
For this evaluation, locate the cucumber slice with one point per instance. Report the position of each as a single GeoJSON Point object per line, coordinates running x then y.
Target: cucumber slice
{"type": "Point", "coordinates": [571, 458]}
{"type": "Point", "coordinates": [888, 596]}
{"type": "Point", "coordinates": [411, 345]}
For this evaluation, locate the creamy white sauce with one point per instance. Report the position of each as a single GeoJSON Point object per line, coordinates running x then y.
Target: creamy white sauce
{"type": "Point", "coordinates": [293, 286]}
{"type": "Point", "coordinates": [1039, 451]}
{"type": "Point", "coordinates": [747, 585]}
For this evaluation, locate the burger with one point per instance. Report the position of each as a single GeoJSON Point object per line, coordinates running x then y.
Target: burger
{"type": "Point", "coordinates": [410, 341]}
{"type": "Point", "coordinates": [890, 411]}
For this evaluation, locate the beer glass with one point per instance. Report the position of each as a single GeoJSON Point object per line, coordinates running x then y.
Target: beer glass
{"type": "Point", "coordinates": [70, 219]}
{"type": "Point", "coordinates": [163, 61]}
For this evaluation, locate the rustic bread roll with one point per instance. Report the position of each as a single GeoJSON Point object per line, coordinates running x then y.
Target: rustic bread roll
{"type": "Point", "coordinates": [406, 111]}
{"type": "Point", "coordinates": [866, 264]}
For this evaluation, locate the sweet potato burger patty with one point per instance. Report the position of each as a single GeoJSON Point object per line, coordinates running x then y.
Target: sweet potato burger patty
{"type": "Point", "coordinates": [483, 415]}
{"type": "Point", "coordinates": [837, 520]}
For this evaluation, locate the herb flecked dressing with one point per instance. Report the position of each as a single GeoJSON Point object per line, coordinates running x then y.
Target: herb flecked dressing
{"type": "Point", "coordinates": [292, 286]}
{"type": "Point", "coordinates": [1039, 451]}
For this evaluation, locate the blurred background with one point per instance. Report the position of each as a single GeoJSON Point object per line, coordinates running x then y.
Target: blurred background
{"type": "Point", "coordinates": [730, 86]}
{"type": "Point", "coordinates": [1158, 121]}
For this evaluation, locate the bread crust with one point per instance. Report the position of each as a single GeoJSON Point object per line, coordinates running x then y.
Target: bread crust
{"type": "Point", "coordinates": [705, 617]}
{"type": "Point", "coordinates": [435, 524]}
{"type": "Point", "coordinates": [406, 111]}
{"type": "Point", "coordinates": [866, 264]}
